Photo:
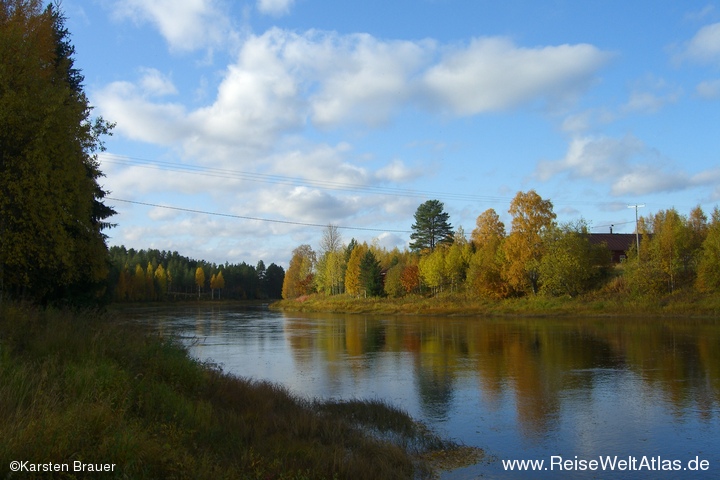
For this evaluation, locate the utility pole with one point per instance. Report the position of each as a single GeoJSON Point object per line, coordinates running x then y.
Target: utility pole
{"type": "Point", "coordinates": [637, 233]}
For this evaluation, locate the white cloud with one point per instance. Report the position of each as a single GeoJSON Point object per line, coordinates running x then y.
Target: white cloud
{"type": "Point", "coordinates": [627, 165]}
{"type": "Point", "coordinates": [704, 47]}
{"type": "Point", "coordinates": [275, 7]}
{"type": "Point", "coordinates": [305, 204]}
{"type": "Point", "coordinates": [493, 74]}
{"type": "Point", "coordinates": [648, 102]}
{"type": "Point", "coordinates": [155, 83]}
{"type": "Point", "coordinates": [709, 89]}
{"type": "Point", "coordinates": [282, 81]}
{"type": "Point", "coordinates": [649, 95]}
{"type": "Point", "coordinates": [362, 79]}
{"type": "Point", "coordinates": [597, 158]}
{"type": "Point", "coordinates": [257, 100]}
{"type": "Point", "coordinates": [139, 118]}
{"type": "Point", "coordinates": [397, 171]}
{"type": "Point", "coordinates": [186, 25]}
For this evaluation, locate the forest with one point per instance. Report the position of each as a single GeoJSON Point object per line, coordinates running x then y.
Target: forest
{"type": "Point", "coordinates": [537, 256]}
{"type": "Point", "coordinates": [154, 275]}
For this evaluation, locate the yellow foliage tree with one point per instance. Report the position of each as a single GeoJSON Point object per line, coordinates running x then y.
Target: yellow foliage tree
{"type": "Point", "coordinates": [217, 282]}
{"type": "Point", "coordinates": [199, 279]}
{"type": "Point", "coordinates": [353, 285]}
{"type": "Point", "coordinates": [523, 249]}
{"type": "Point", "coordinates": [485, 264]}
{"type": "Point", "coordinates": [162, 281]}
{"type": "Point", "coordinates": [299, 277]}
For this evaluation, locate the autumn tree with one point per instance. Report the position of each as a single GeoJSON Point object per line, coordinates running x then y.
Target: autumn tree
{"type": "Point", "coordinates": [708, 278]}
{"type": "Point", "coordinates": [217, 282]}
{"type": "Point", "coordinates": [457, 259]}
{"type": "Point", "coordinates": [353, 284]}
{"type": "Point", "coordinates": [410, 278]}
{"type": "Point", "coordinates": [523, 248]}
{"type": "Point", "coordinates": [431, 226]}
{"type": "Point", "coordinates": [299, 276]}
{"type": "Point", "coordinates": [199, 279]}
{"type": "Point", "coordinates": [393, 285]}
{"type": "Point", "coordinates": [571, 265]}
{"type": "Point", "coordinates": [150, 282]}
{"type": "Point", "coordinates": [138, 289]}
{"type": "Point", "coordinates": [668, 255]}
{"type": "Point", "coordinates": [485, 264]}
{"type": "Point", "coordinates": [161, 279]}
{"type": "Point", "coordinates": [331, 265]}
{"type": "Point", "coordinates": [51, 206]}
{"type": "Point", "coordinates": [432, 269]}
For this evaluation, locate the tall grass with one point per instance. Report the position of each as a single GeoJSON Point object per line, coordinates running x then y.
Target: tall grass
{"type": "Point", "coordinates": [91, 388]}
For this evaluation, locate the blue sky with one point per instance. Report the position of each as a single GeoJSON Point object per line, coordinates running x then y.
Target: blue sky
{"type": "Point", "coordinates": [353, 113]}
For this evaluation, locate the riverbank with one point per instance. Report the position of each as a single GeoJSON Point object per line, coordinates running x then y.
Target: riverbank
{"type": "Point", "coordinates": [89, 389]}
{"type": "Point", "coordinates": [685, 304]}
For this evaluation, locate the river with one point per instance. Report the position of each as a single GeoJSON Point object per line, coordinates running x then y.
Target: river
{"type": "Point", "coordinates": [642, 394]}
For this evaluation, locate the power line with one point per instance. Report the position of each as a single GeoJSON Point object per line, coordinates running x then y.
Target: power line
{"type": "Point", "coordinates": [610, 225]}
{"type": "Point", "coordinates": [244, 217]}
{"type": "Point", "coordinates": [295, 181]}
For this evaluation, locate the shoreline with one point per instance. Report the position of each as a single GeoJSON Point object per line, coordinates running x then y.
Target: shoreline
{"type": "Point", "coordinates": [679, 305]}
{"type": "Point", "coordinates": [86, 385]}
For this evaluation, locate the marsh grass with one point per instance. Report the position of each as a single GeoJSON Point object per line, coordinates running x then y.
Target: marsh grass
{"type": "Point", "coordinates": [83, 386]}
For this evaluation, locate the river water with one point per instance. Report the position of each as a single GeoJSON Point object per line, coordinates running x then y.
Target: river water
{"type": "Point", "coordinates": [643, 393]}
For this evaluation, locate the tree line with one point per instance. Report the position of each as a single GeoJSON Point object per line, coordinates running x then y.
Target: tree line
{"type": "Point", "coordinates": [537, 256]}
{"type": "Point", "coordinates": [155, 275]}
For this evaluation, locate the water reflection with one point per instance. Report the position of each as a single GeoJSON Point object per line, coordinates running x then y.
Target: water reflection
{"type": "Point", "coordinates": [520, 388]}
{"type": "Point", "coordinates": [539, 362]}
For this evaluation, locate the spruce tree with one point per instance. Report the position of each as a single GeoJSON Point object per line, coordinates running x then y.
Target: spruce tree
{"type": "Point", "coordinates": [371, 283]}
{"type": "Point", "coordinates": [52, 214]}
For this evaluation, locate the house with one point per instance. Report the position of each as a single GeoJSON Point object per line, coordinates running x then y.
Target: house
{"type": "Point", "coordinates": [617, 243]}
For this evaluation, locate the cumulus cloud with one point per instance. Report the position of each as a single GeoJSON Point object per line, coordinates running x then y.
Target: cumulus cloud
{"type": "Point", "coordinates": [397, 171]}
{"type": "Point", "coordinates": [597, 158]}
{"type": "Point", "coordinates": [305, 204]}
{"type": "Point", "coordinates": [275, 7]}
{"type": "Point", "coordinates": [283, 80]}
{"type": "Point", "coordinates": [156, 83]}
{"type": "Point", "coordinates": [362, 79]}
{"type": "Point", "coordinates": [493, 74]}
{"type": "Point", "coordinates": [627, 165]}
{"type": "Point", "coordinates": [186, 25]}
{"type": "Point", "coordinates": [140, 118]}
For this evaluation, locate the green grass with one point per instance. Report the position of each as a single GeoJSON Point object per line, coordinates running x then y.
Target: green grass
{"type": "Point", "coordinates": [92, 388]}
{"type": "Point", "coordinates": [606, 302]}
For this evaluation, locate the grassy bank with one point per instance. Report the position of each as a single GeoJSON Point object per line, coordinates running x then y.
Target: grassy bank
{"type": "Point", "coordinates": [89, 388]}
{"type": "Point", "coordinates": [685, 303]}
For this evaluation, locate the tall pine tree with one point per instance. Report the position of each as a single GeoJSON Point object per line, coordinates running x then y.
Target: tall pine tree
{"type": "Point", "coordinates": [431, 226]}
